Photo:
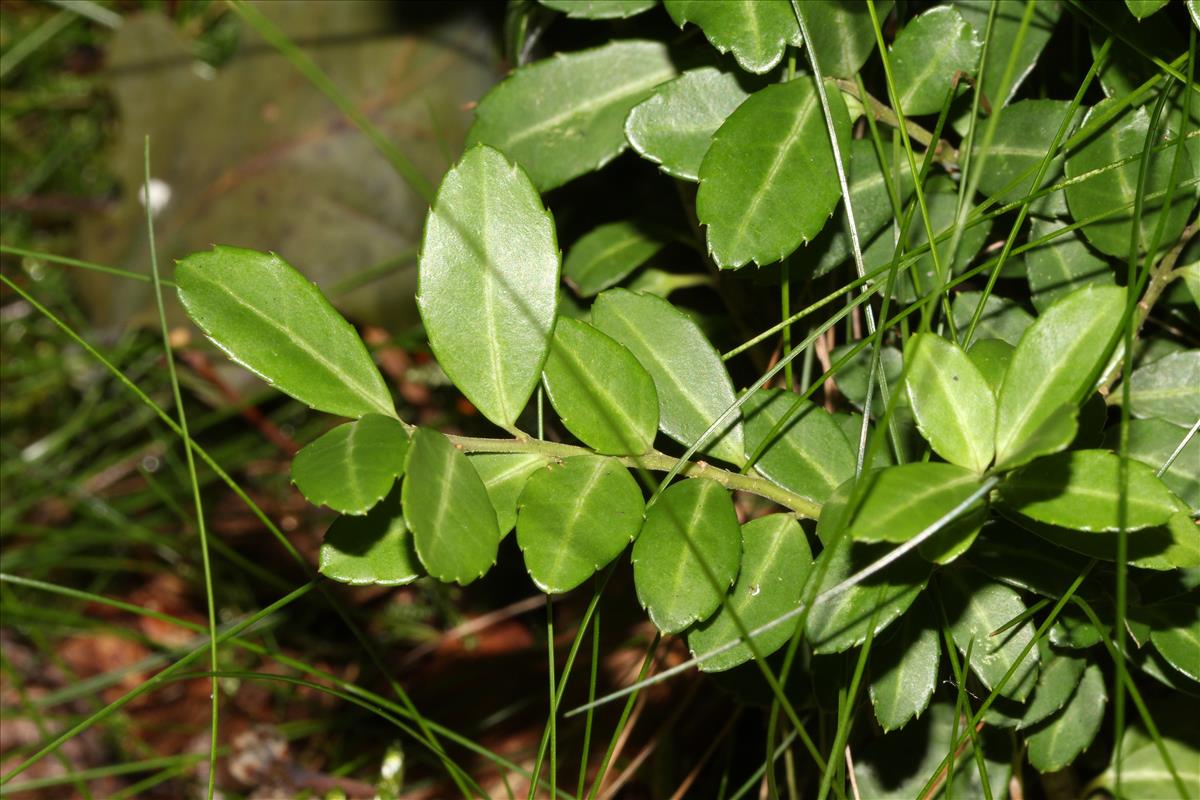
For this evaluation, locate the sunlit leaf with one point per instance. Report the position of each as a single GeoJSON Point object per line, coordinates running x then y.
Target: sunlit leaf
{"type": "Point", "coordinates": [446, 507]}
{"type": "Point", "coordinates": [574, 518]}
{"type": "Point", "coordinates": [1168, 388]}
{"type": "Point", "coordinates": [953, 404]}
{"type": "Point", "coordinates": [601, 392]}
{"type": "Point", "coordinates": [562, 117]}
{"type": "Point", "coordinates": [772, 149]}
{"type": "Point", "coordinates": [1153, 441]}
{"type": "Point", "coordinates": [775, 563]}
{"type": "Point", "coordinates": [687, 555]}
{"type": "Point", "coordinates": [843, 37]}
{"type": "Point", "coordinates": [273, 321]}
{"type": "Point", "coordinates": [488, 282]}
{"type": "Point", "coordinates": [1115, 190]}
{"type": "Point", "coordinates": [1056, 361]}
{"type": "Point", "coordinates": [353, 466]}
{"type": "Point", "coordinates": [991, 357]}
{"type": "Point", "coordinates": [675, 125]}
{"type": "Point", "coordinates": [976, 607]}
{"type": "Point", "coordinates": [809, 456]}
{"type": "Point", "coordinates": [693, 387]}
{"type": "Point", "coordinates": [926, 55]}
{"type": "Point", "coordinates": [1082, 490]}
{"type": "Point", "coordinates": [755, 32]}
{"type": "Point", "coordinates": [1144, 8]}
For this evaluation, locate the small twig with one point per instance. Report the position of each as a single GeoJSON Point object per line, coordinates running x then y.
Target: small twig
{"type": "Point", "coordinates": [943, 151]}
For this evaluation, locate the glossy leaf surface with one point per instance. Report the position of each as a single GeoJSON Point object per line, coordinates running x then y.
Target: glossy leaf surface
{"type": "Point", "coordinates": [1018, 147]}
{"type": "Point", "coordinates": [772, 149]}
{"type": "Point", "coordinates": [1153, 441]}
{"type": "Point", "coordinates": [574, 518]}
{"type": "Point", "coordinates": [604, 256]}
{"type": "Point", "coordinates": [446, 507]}
{"type": "Point", "coordinates": [692, 524]}
{"type": "Point", "coordinates": [693, 387]}
{"type": "Point", "coordinates": [353, 466]}
{"type": "Point", "coordinates": [991, 357]}
{"type": "Point", "coordinates": [270, 319]}
{"type": "Point", "coordinates": [601, 392]}
{"type": "Point", "coordinates": [953, 404]}
{"type": "Point", "coordinates": [376, 549]}
{"type": "Point", "coordinates": [843, 37]}
{"type": "Point", "coordinates": [837, 623]}
{"type": "Point", "coordinates": [1055, 363]}
{"type": "Point", "coordinates": [1175, 633]}
{"type": "Point", "coordinates": [904, 669]}
{"type": "Point", "coordinates": [600, 9]}
{"type": "Point", "coordinates": [1115, 190]}
{"type": "Point", "coordinates": [1058, 679]}
{"type": "Point", "coordinates": [1006, 28]}
{"type": "Point", "coordinates": [1168, 388]}
{"type": "Point", "coordinates": [976, 607]}
{"type": "Point", "coordinates": [756, 32]}
{"type": "Point", "coordinates": [1061, 265]}
{"type": "Point", "coordinates": [504, 476]}
{"type": "Point", "coordinates": [1081, 490]}
{"type": "Point", "coordinates": [674, 126]}
{"type": "Point", "coordinates": [488, 282]}
{"type": "Point", "coordinates": [1056, 742]}
{"type": "Point", "coordinates": [563, 117]}
{"type": "Point", "coordinates": [775, 563]}
{"type": "Point", "coordinates": [810, 455]}
{"type": "Point", "coordinates": [927, 53]}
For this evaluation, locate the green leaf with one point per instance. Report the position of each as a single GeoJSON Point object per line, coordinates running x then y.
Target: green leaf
{"type": "Point", "coordinates": [1168, 388]}
{"type": "Point", "coordinates": [837, 623]}
{"type": "Point", "coordinates": [1175, 633]}
{"type": "Point", "coordinates": [693, 387]}
{"type": "Point", "coordinates": [574, 518]}
{"type": "Point", "coordinates": [1001, 319]}
{"type": "Point", "coordinates": [1062, 265]}
{"type": "Point", "coordinates": [775, 563]}
{"type": "Point", "coordinates": [270, 319]}
{"type": "Point", "coordinates": [353, 466]}
{"type": "Point", "coordinates": [604, 256]}
{"type": "Point", "coordinates": [1057, 681]}
{"type": "Point", "coordinates": [756, 33]}
{"type": "Point", "coordinates": [1193, 8]}
{"type": "Point", "coordinates": [563, 117]}
{"type": "Point", "coordinates": [772, 149]}
{"type": "Point", "coordinates": [904, 669]}
{"type": "Point", "coordinates": [1005, 28]}
{"type": "Point", "coordinates": [897, 503]}
{"type": "Point", "coordinates": [690, 526]}
{"type": "Point", "coordinates": [601, 392]}
{"type": "Point", "coordinates": [976, 607]}
{"type": "Point", "coordinates": [872, 210]}
{"type": "Point", "coordinates": [675, 125]}
{"type": "Point", "coordinates": [488, 276]}
{"type": "Point", "coordinates": [1144, 8]}
{"type": "Point", "coordinates": [842, 36]}
{"type": "Point", "coordinates": [1056, 362]}
{"type": "Point", "coordinates": [504, 476]}
{"type": "Point", "coordinates": [942, 206]}
{"type": "Point", "coordinates": [810, 456]}
{"type": "Point", "coordinates": [1144, 773]}
{"type": "Point", "coordinates": [1018, 147]}
{"type": "Point", "coordinates": [1162, 547]}
{"type": "Point", "coordinates": [446, 507]}
{"type": "Point", "coordinates": [991, 357]}
{"type": "Point", "coordinates": [600, 9]}
{"type": "Point", "coordinates": [953, 404]}
{"type": "Point", "coordinates": [1115, 189]}
{"type": "Point", "coordinates": [1081, 490]}
{"type": "Point", "coordinates": [1152, 441]}
{"type": "Point", "coordinates": [1007, 553]}
{"type": "Point", "coordinates": [1055, 743]}
{"type": "Point", "coordinates": [897, 766]}
{"type": "Point", "coordinates": [852, 377]}
{"type": "Point", "coordinates": [373, 550]}
{"type": "Point", "coordinates": [927, 53]}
